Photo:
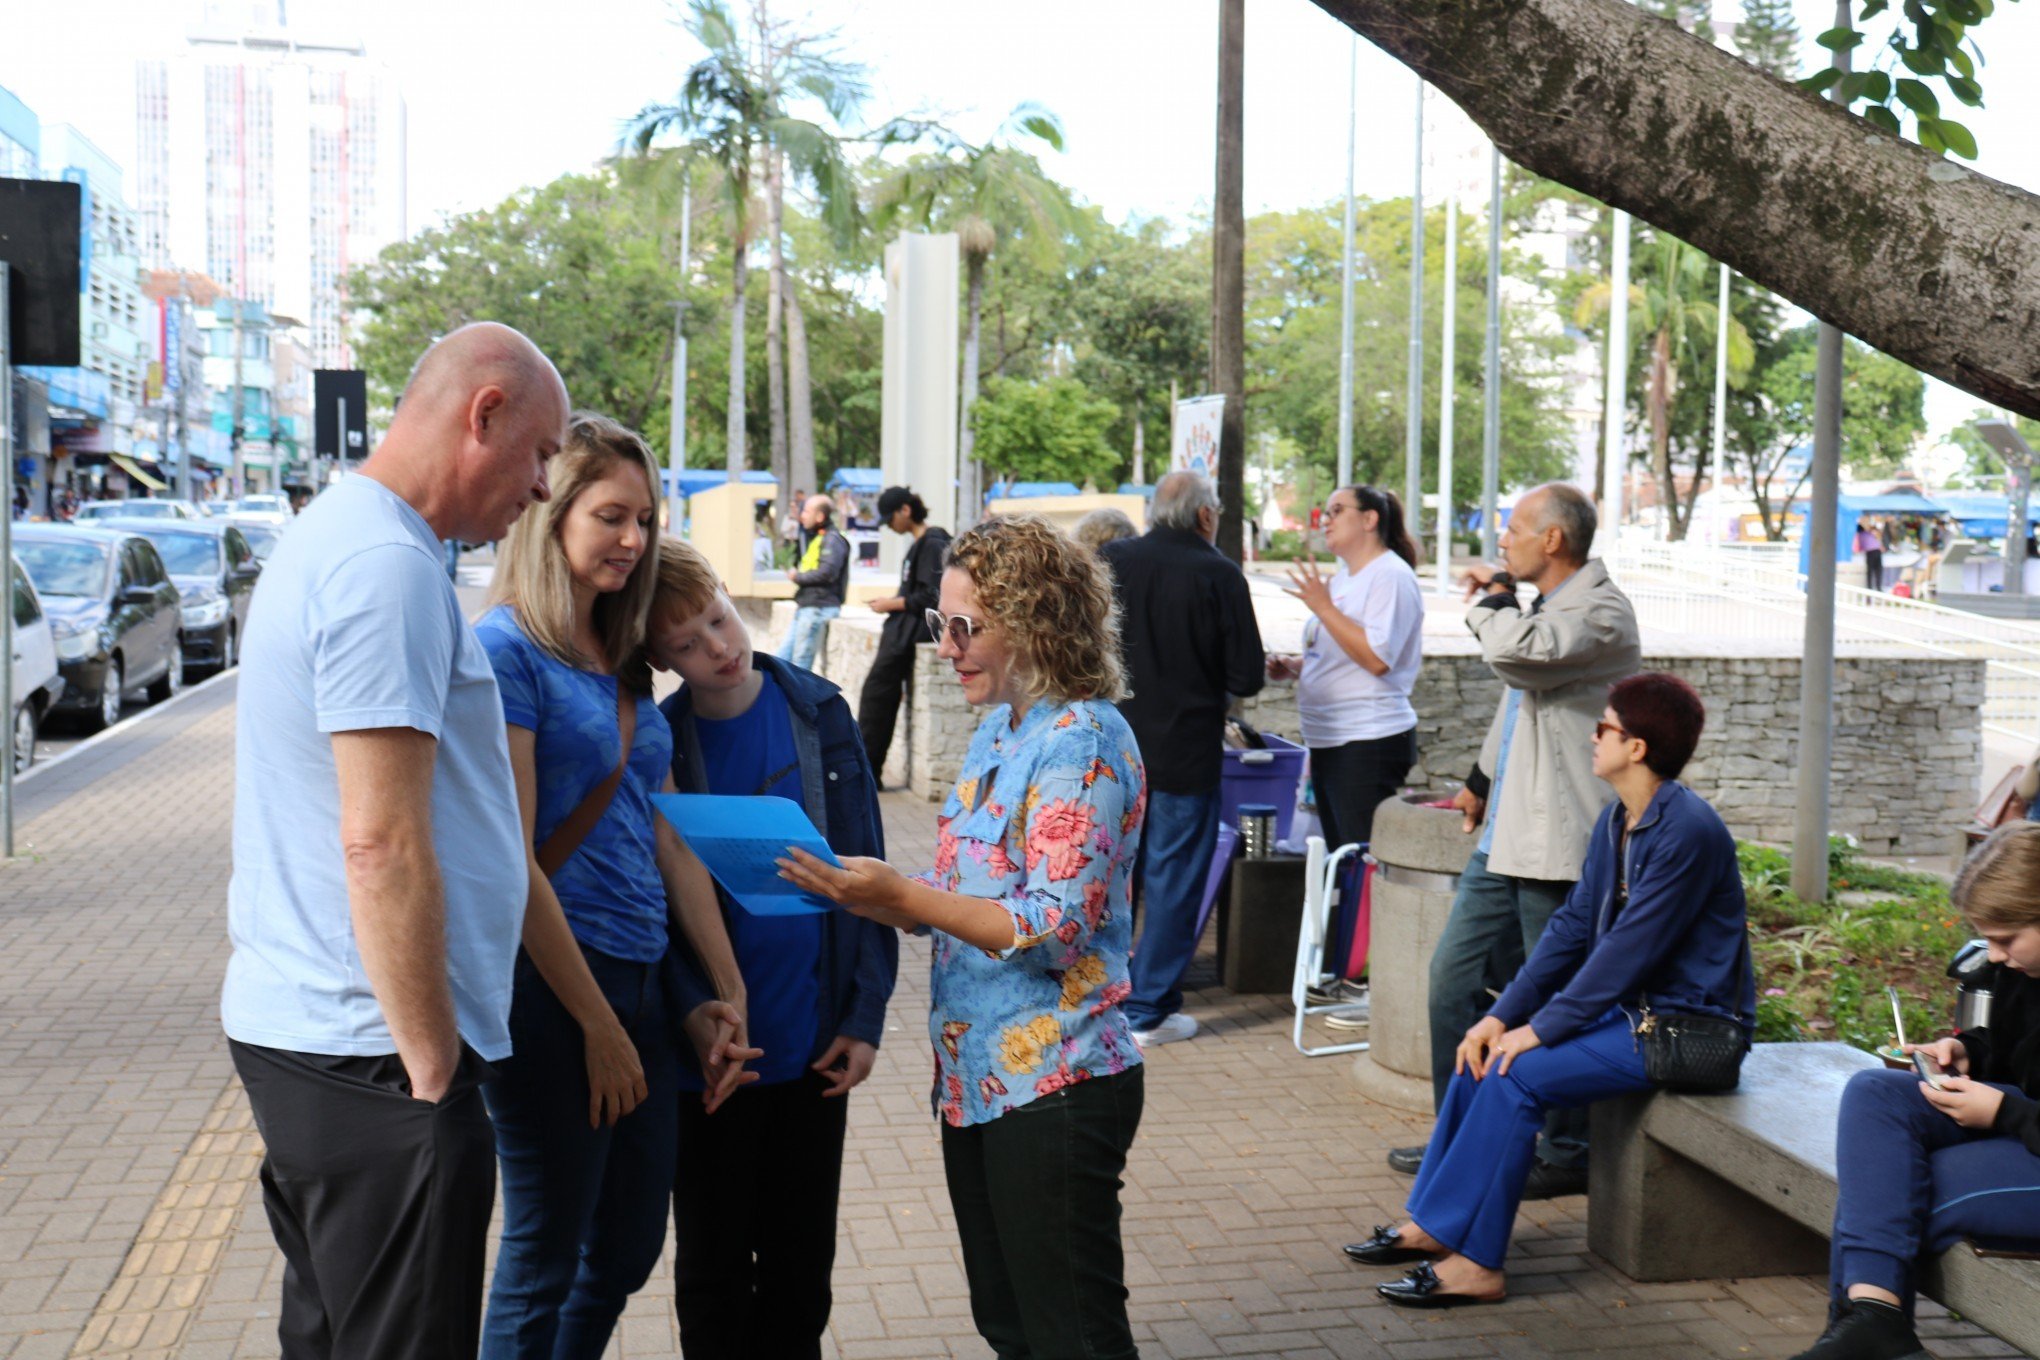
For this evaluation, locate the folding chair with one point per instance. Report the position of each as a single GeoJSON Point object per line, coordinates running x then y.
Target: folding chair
{"type": "Point", "coordinates": [1320, 897]}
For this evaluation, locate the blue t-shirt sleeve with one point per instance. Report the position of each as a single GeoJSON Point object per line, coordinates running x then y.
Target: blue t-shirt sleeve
{"type": "Point", "coordinates": [516, 675]}
{"type": "Point", "coordinates": [383, 636]}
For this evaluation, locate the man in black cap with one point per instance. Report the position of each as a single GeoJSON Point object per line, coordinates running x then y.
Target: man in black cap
{"type": "Point", "coordinates": [892, 670]}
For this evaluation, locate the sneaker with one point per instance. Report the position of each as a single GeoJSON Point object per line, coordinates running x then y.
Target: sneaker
{"type": "Point", "coordinates": [1864, 1329]}
{"type": "Point", "coordinates": [1345, 991]}
{"type": "Point", "coordinates": [1351, 1017]}
{"type": "Point", "coordinates": [1170, 1030]}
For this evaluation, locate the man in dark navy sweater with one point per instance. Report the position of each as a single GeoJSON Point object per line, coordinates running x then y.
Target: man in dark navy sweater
{"type": "Point", "coordinates": [1190, 641]}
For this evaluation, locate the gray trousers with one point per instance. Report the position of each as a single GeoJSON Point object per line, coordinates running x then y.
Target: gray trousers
{"type": "Point", "coordinates": [1496, 921]}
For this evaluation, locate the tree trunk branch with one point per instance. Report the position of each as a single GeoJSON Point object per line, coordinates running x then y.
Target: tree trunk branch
{"type": "Point", "coordinates": [1932, 263]}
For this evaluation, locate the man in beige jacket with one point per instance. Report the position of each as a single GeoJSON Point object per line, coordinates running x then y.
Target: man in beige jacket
{"type": "Point", "coordinates": [1533, 797]}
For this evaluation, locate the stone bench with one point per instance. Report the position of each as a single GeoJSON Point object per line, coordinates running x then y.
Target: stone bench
{"type": "Point", "coordinates": [1689, 1187]}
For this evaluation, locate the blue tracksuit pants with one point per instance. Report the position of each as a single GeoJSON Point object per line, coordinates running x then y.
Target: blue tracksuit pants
{"type": "Point", "coordinates": [1914, 1183]}
{"type": "Point", "coordinates": [1486, 1137]}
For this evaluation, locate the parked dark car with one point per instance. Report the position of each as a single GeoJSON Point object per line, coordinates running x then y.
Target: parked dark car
{"type": "Point", "coordinates": [263, 538]}
{"type": "Point", "coordinates": [114, 612]}
{"type": "Point", "coordinates": [214, 568]}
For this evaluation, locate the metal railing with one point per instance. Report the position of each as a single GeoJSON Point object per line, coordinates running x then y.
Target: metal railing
{"type": "Point", "coordinates": [1758, 592]}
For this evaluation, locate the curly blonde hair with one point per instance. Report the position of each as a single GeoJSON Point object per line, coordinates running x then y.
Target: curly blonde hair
{"type": "Point", "coordinates": [1052, 600]}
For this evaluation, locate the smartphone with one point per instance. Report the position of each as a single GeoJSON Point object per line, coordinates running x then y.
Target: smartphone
{"type": "Point", "coordinates": [1930, 1071]}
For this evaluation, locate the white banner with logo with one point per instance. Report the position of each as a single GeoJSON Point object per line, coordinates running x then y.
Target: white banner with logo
{"type": "Point", "coordinates": [1196, 443]}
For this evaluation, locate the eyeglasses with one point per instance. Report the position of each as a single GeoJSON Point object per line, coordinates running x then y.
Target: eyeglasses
{"type": "Point", "coordinates": [1334, 510]}
{"type": "Point", "coordinates": [960, 628]}
{"type": "Point", "coordinates": [1602, 729]}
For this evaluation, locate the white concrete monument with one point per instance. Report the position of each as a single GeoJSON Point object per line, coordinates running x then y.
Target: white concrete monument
{"type": "Point", "coordinates": [918, 420]}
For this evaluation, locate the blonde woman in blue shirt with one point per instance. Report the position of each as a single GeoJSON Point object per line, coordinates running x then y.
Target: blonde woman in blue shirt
{"type": "Point", "coordinates": [586, 1105]}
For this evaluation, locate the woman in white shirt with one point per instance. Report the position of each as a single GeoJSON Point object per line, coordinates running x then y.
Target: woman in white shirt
{"type": "Point", "coordinates": [1361, 651]}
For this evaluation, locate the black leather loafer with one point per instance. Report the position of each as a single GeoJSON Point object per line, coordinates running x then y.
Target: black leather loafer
{"type": "Point", "coordinates": [1409, 1160]}
{"type": "Point", "coordinates": [1382, 1249]}
{"type": "Point", "coordinates": [1422, 1288]}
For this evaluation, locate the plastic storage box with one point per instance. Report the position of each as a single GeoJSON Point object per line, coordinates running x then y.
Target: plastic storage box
{"type": "Point", "coordinates": [1264, 776]}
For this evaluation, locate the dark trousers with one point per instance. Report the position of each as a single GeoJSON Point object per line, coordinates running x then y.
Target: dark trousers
{"type": "Point", "coordinates": [890, 678]}
{"type": "Point", "coordinates": [379, 1202]}
{"type": "Point", "coordinates": [1873, 569]}
{"type": "Point", "coordinates": [1496, 921]}
{"type": "Point", "coordinates": [1353, 779]}
{"type": "Point", "coordinates": [754, 1222]}
{"type": "Point", "coordinates": [1913, 1183]}
{"type": "Point", "coordinates": [1036, 1197]}
{"type": "Point", "coordinates": [584, 1209]}
{"type": "Point", "coordinates": [1175, 855]}
{"type": "Point", "coordinates": [1482, 1148]}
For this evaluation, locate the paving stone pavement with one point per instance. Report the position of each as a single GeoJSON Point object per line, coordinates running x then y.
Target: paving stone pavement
{"type": "Point", "coordinates": [130, 1224]}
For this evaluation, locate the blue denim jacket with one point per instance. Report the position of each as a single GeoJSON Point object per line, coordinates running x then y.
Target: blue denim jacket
{"type": "Point", "coordinates": [1679, 946]}
{"type": "Point", "coordinates": [841, 798]}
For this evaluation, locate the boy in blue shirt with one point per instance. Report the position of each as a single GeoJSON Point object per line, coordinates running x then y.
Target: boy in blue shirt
{"type": "Point", "coordinates": [755, 1242]}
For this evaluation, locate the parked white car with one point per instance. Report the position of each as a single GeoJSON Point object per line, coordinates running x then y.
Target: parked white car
{"type": "Point", "coordinates": [37, 682]}
{"type": "Point", "coordinates": [142, 507]}
{"type": "Point", "coordinates": [263, 508]}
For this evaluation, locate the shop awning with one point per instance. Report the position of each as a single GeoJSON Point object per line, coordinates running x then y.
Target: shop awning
{"type": "Point", "coordinates": [139, 473]}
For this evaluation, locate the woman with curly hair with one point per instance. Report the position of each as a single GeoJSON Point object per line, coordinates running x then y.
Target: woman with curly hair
{"type": "Point", "coordinates": [1037, 1079]}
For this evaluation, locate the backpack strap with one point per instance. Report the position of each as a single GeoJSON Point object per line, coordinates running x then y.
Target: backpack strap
{"type": "Point", "coordinates": [568, 835]}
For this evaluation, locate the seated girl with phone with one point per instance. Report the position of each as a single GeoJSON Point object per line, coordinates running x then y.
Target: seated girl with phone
{"type": "Point", "coordinates": [1951, 1149]}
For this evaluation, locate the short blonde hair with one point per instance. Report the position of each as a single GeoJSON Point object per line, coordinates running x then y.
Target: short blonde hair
{"type": "Point", "coordinates": [533, 577]}
{"type": "Point", "coordinates": [2000, 884]}
{"type": "Point", "coordinates": [1103, 526]}
{"type": "Point", "coordinates": [1053, 601]}
{"type": "Point", "coordinates": [687, 584]}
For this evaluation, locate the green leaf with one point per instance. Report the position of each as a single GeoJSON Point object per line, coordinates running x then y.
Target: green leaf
{"type": "Point", "coordinates": [1958, 138]}
{"type": "Point", "coordinates": [1966, 90]}
{"type": "Point", "coordinates": [1920, 62]}
{"type": "Point", "coordinates": [1930, 137]}
{"type": "Point", "coordinates": [1820, 80]}
{"type": "Point", "coordinates": [1839, 39]}
{"type": "Point", "coordinates": [1964, 11]}
{"type": "Point", "coordinates": [1963, 63]}
{"type": "Point", "coordinates": [1873, 8]}
{"type": "Point", "coordinates": [1883, 118]}
{"type": "Point", "coordinates": [1877, 89]}
{"type": "Point", "coordinates": [1852, 87]}
{"type": "Point", "coordinates": [1916, 96]}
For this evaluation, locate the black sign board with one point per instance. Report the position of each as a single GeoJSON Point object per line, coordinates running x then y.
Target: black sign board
{"type": "Point", "coordinates": [333, 388]}
{"type": "Point", "coordinates": [39, 241]}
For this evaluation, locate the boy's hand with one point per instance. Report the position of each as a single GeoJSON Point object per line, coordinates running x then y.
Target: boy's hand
{"type": "Point", "coordinates": [1971, 1104]}
{"type": "Point", "coordinates": [847, 1062]}
{"type": "Point", "coordinates": [1949, 1053]}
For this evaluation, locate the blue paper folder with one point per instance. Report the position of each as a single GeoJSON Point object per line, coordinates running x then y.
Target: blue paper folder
{"type": "Point", "coordinates": [739, 838]}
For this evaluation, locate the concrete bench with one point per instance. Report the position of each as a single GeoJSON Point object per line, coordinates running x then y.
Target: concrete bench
{"type": "Point", "coordinates": [1705, 1187]}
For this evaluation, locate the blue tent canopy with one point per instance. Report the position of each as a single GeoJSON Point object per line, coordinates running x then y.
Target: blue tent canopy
{"type": "Point", "coordinates": [861, 481]}
{"type": "Point", "coordinates": [1983, 514]}
{"type": "Point", "coordinates": [1850, 509]}
{"type": "Point", "coordinates": [1129, 489]}
{"type": "Point", "coordinates": [693, 481]}
{"type": "Point", "coordinates": [1012, 490]}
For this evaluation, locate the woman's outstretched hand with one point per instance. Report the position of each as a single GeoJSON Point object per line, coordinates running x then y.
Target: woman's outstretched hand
{"type": "Point", "coordinates": [870, 888]}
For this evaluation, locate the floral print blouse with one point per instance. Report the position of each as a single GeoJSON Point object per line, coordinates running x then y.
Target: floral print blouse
{"type": "Point", "coordinates": [1044, 820]}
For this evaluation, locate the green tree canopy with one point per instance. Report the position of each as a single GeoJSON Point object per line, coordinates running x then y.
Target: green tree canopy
{"type": "Point", "coordinates": [1050, 431]}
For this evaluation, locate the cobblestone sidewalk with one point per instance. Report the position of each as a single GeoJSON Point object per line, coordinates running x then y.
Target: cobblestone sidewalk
{"type": "Point", "coordinates": [130, 1224]}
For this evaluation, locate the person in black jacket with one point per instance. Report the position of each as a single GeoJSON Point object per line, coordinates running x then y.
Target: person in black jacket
{"type": "Point", "coordinates": [892, 670]}
{"type": "Point", "coordinates": [1190, 640]}
{"type": "Point", "coordinates": [755, 1239]}
{"type": "Point", "coordinates": [821, 580]}
{"type": "Point", "coordinates": [1920, 1169]}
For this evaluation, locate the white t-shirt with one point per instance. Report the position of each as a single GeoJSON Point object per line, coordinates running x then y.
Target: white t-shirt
{"type": "Point", "coordinates": [355, 626]}
{"type": "Point", "coordinates": [1339, 700]}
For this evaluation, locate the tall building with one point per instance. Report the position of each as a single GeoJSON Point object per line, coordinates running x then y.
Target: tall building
{"type": "Point", "coordinates": [274, 161]}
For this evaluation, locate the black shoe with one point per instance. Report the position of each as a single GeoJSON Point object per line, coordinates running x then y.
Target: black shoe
{"type": "Point", "coordinates": [1864, 1329]}
{"type": "Point", "coordinates": [1420, 1289]}
{"type": "Point", "coordinates": [1555, 1182]}
{"type": "Point", "coordinates": [1381, 1249]}
{"type": "Point", "coordinates": [1409, 1160]}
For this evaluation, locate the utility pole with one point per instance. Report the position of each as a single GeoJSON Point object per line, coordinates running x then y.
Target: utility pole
{"type": "Point", "coordinates": [1721, 320]}
{"type": "Point", "coordinates": [1614, 455]}
{"type": "Point", "coordinates": [1229, 269]}
{"type": "Point", "coordinates": [676, 438]}
{"type": "Point", "coordinates": [1817, 667]}
{"type": "Point", "coordinates": [1446, 390]}
{"type": "Point", "coordinates": [237, 480]}
{"type": "Point", "coordinates": [1491, 410]}
{"type": "Point", "coordinates": [1346, 271]}
{"type": "Point", "coordinates": [1413, 403]}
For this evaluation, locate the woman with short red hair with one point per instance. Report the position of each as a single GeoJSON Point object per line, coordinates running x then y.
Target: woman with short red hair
{"type": "Point", "coordinates": [1653, 937]}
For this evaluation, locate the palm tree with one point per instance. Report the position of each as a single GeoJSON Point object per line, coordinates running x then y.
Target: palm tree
{"type": "Point", "coordinates": [986, 193]}
{"type": "Point", "coordinates": [722, 109]}
{"type": "Point", "coordinates": [1670, 308]}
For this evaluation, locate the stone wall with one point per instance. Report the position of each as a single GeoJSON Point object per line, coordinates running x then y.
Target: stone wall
{"type": "Point", "coordinates": [1908, 729]}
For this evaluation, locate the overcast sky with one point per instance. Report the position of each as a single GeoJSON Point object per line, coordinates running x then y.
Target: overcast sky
{"type": "Point", "coordinates": [497, 100]}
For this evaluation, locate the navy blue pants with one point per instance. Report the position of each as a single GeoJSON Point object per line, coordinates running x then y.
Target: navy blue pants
{"type": "Point", "coordinates": [584, 1209]}
{"type": "Point", "coordinates": [1175, 854]}
{"type": "Point", "coordinates": [1914, 1183]}
{"type": "Point", "coordinates": [1486, 1137]}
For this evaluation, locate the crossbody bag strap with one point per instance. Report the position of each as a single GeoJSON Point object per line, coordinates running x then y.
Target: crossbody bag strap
{"type": "Point", "coordinates": [568, 835]}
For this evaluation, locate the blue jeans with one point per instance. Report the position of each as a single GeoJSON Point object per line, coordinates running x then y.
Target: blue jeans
{"type": "Point", "coordinates": [584, 1209]}
{"type": "Point", "coordinates": [1175, 853]}
{"type": "Point", "coordinates": [805, 636]}
{"type": "Point", "coordinates": [1914, 1183]}
{"type": "Point", "coordinates": [1480, 1155]}
{"type": "Point", "coordinates": [1496, 921]}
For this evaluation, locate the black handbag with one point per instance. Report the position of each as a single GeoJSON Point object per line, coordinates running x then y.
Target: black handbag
{"type": "Point", "coordinates": [1697, 1053]}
